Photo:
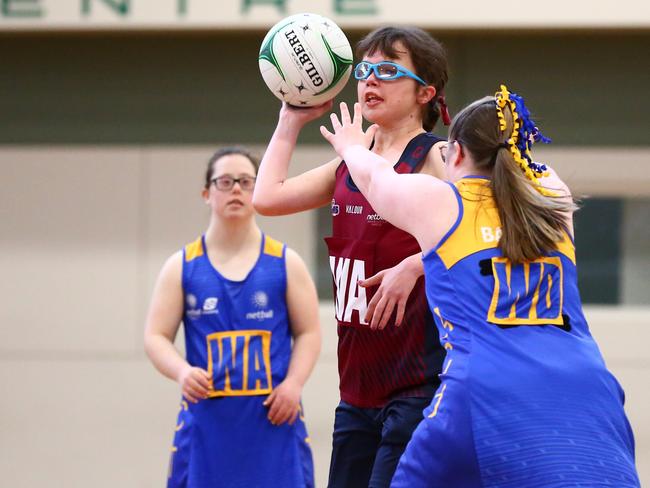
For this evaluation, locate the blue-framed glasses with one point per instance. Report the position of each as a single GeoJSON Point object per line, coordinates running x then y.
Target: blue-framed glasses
{"type": "Point", "coordinates": [384, 70]}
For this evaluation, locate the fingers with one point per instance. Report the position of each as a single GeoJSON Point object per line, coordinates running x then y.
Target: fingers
{"type": "Point", "coordinates": [378, 321]}
{"type": "Point", "coordinates": [358, 118]}
{"type": "Point", "coordinates": [401, 309]}
{"type": "Point", "coordinates": [284, 414]}
{"type": "Point", "coordinates": [274, 410]}
{"type": "Point", "coordinates": [372, 305]}
{"type": "Point", "coordinates": [326, 134]}
{"type": "Point", "coordinates": [345, 113]}
{"type": "Point", "coordinates": [192, 394]}
{"type": "Point", "coordinates": [335, 121]}
{"type": "Point", "coordinates": [294, 415]}
{"type": "Point", "coordinates": [269, 399]}
{"type": "Point", "coordinates": [202, 378]}
{"type": "Point", "coordinates": [190, 398]}
{"type": "Point", "coordinates": [378, 312]}
{"type": "Point", "coordinates": [281, 411]}
{"type": "Point", "coordinates": [386, 313]}
{"type": "Point", "coordinates": [196, 384]}
{"type": "Point", "coordinates": [373, 280]}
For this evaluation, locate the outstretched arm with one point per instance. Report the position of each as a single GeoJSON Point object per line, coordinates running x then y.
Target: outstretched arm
{"type": "Point", "coordinates": [396, 284]}
{"type": "Point", "coordinates": [417, 203]}
{"type": "Point", "coordinates": [163, 319]}
{"type": "Point", "coordinates": [275, 193]}
{"type": "Point", "coordinates": [302, 304]}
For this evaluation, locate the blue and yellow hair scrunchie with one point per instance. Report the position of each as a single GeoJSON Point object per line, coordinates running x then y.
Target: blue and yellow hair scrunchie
{"type": "Point", "coordinates": [524, 134]}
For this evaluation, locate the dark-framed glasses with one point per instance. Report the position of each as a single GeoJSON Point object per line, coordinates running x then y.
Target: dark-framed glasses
{"type": "Point", "coordinates": [226, 182]}
{"type": "Point", "coordinates": [384, 70]}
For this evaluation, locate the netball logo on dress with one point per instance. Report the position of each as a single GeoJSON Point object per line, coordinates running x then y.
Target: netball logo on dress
{"type": "Point", "coordinates": [260, 299]}
{"type": "Point", "coordinates": [191, 310]}
{"type": "Point", "coordinates": [374, 219]}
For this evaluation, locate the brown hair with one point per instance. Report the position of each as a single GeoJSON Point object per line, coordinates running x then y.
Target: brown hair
{"type": "Point", "coordinates": [227, 151]}
{"type": "Point", "coordinates": [531, 223]}
{"type": "Point", "coordinates": [427, 54]}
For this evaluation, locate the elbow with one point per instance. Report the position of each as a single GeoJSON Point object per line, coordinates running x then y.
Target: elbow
{"type": "Point", "coordinates": [261, 205]}
{"type": "Point", "coordinates": [147, 344]}
{"type": "Point", "coordinates": [151, 341]}
{"type": "Point", "coordinates": [266, 207]}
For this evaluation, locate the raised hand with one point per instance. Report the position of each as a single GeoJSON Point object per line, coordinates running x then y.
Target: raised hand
{"type": "Point", "coordinates": [348, 132]}
{"type": "Point", "coordinates": [300, 116]}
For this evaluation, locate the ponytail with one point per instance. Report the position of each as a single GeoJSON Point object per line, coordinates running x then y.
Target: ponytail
{"type": "Point", "coordinates": [498, 133]}
{"type": "Point", "coordinates": [531, 223]}
{"type": "Point", "coordinates": [433, 111]}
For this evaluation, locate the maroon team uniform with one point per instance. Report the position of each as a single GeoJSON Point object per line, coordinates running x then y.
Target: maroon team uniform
{"type": "Point", "coordinates": [376, 366]}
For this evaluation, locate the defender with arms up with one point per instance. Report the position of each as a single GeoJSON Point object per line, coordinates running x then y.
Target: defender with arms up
{"type": "Point", "coordinates": [525, 398]}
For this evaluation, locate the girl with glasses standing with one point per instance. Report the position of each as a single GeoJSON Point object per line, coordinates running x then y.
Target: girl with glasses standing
{"type": "Point", "coordinates": [526, 399]}
{"type": "Point", "coordinates": [243, 297]}
{"type": "Point", "coordinates": [389, 354]}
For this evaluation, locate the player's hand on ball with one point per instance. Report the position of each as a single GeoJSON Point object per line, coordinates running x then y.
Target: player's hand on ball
{"type": "Point", "coordinates": [284, 402]}
{"type": "Point", "coordinates": [348, 132]}
{"type": "Point", "coordinates": [303, 115]}
{"type": "Point", "coordinates": [195, 383]}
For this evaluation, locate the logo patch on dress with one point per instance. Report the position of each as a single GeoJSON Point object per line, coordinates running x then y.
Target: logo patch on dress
{"type": "Point", "coordinates": [335, 208]}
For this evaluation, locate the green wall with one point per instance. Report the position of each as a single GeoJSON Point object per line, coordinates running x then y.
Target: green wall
{"type": "Point", "coordinates": [584, 89]}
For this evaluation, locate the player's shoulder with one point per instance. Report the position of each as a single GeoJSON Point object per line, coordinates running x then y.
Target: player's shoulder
{"type": "Point", "coordinates": [172, 268]}
{"type": "Point", "coordinates": [295, 263]}
{"type": "Point", "coordinates": [193, 250]}
{"type": "Point", "coordinates": [433, 164]}
{"type": "Point", "coordinates": [273, 247]}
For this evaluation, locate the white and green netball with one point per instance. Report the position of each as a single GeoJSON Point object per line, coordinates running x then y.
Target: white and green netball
{"type": "Point", "coordinates": [305, 60]}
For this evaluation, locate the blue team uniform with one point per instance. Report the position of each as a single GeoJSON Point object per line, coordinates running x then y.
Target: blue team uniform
{"type": "Point", "coordinates": [525, 400]}
{"type": "Point", "coordinates": [239, 332]}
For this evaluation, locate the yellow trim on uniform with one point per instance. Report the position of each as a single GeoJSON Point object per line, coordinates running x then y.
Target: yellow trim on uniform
{"type": "Point", "coordinates": [183, 407]}
{"type": "Point", "coordinates": [272, 247]}
{"type": "Point", "coordinates": [173, 451]}
{"type": "Point", "coordinates": [480, 226]}
{"type": "Point", "coordinates": [567, 248]}
{"type": "Point", "coordinates": [193, 250]}
{"type": "Point", "coordinates": [479, 213]}
{"type": "Point", "coordinates": [439, 399]}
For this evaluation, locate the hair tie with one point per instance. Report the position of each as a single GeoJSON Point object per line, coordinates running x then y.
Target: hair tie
{"type": "Point", "coordinates": [524, 134]}
{"type": "Point", "coordinates": [444, 111]}
{"type": "Point", "coordinates": [493, 159]}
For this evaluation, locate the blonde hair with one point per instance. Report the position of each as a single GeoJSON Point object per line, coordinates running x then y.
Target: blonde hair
{"type": "Point", "coordinates": [531, 223]}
